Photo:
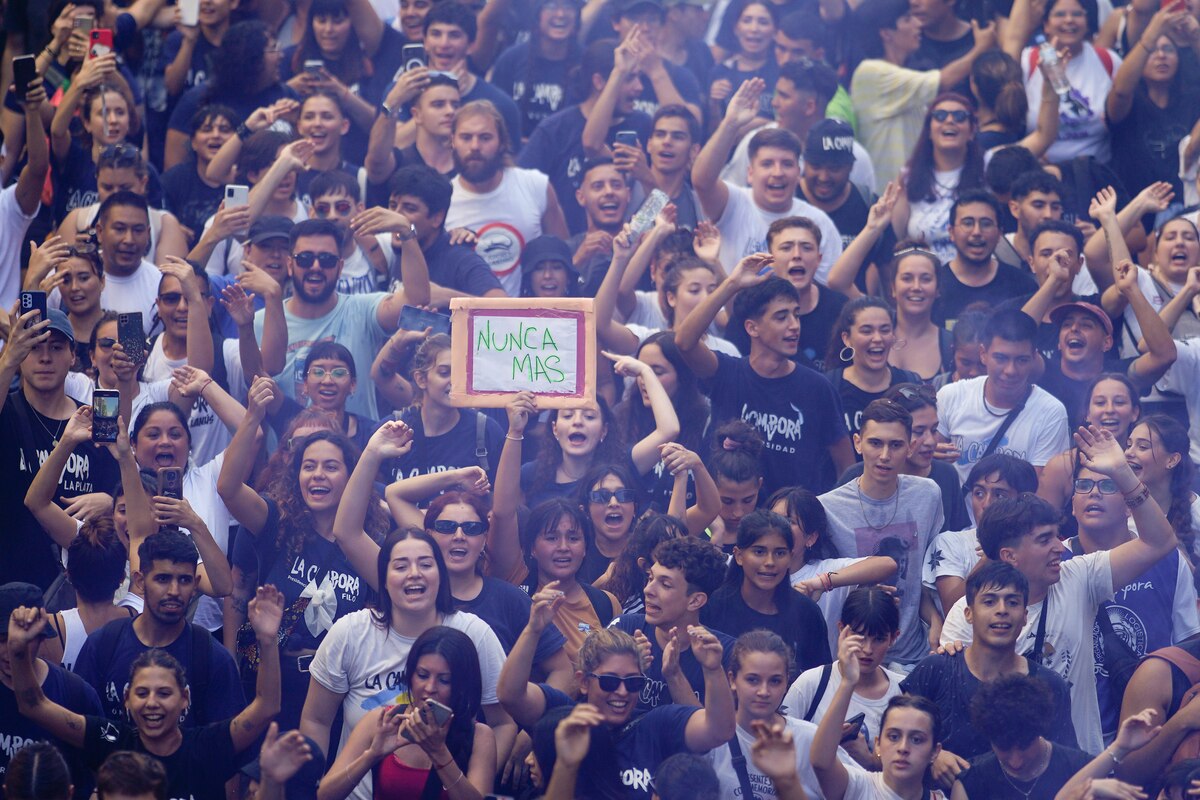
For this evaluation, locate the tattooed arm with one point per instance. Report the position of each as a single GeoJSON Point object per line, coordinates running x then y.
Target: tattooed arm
{"type": "Point", "coordinates": [24, 628]}
{"type": "Point", "coordinates": [235, 605]}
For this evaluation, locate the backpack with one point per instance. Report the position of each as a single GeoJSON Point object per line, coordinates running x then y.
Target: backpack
{"type": "Point", "coordinates": [1189, 665]}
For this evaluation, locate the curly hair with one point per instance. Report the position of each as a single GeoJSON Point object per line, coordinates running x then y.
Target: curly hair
{"type": "Point", "coordinates": [702, 563]}
{"type": "Point", "coordinates": [1174, 439]}
{"type": "Point", "coordinates": [628, 576]}
{"type": "Point", "coordinates": [239, 61]}
{"type": "Point", "coordinates": [295, 519]}
{"type": "Point", "coordinates": [1011, 710]}
{"type": "Point", "coordinates": [281, 458]}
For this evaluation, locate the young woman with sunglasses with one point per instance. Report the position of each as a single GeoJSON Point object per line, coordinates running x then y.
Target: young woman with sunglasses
{"type": "Point", "coordinates": [621, 757]}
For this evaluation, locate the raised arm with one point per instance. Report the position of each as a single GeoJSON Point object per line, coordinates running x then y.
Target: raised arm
{"type": "Point", "coordinates": [381, 146]}
{"type": "Point", "coordinates": [845, 270]}
{"type": "Point", "coordinates": [679, 461]}
{"type": "Point", "coordinates": [240, 307]}
{"type": "Point", "coordinates": [414, 272]}
{"type": "Point", "coordinates": [191, 383]}
{"type": "Point", "coordinates": [32, 179]}
{"type": "Point", "coordinates": [959, 69]}
{"type": "Point", "coordinates": [1182, 301]}
{"type": "Point", "coordinates": [1125, 82]}
{"type": "Point", "coordinates": [610, 333]}
{"type": "Point", "coordinates": [1158, 348]}
{"type": "Point", "coordinates": [522, 698]}
{"type": "Point", "coordinates": [740, 117]}
{"type": "Point", "coordinates": [504, 543]}
{"type": "Point", "coordinates": [243, 502]}
{"type": "Point", "coordinates": [291, 158]}
{"type": "Point", "coordinates": [831, 773]}
{"type": "Point", "coordinates": [666, 422]}
{"type": "Point", "coordinates": [93, 72]}
{"type": "Point", "coordinates": [626, 63]}
{"type": "Point", "coordinates": [713, 725]}
{"type": "Point", "coordinates": [774, 754]}
{"type": "Point", "coordinates": [214, 576]}
{"type": "Point", "coordinates": [1058, 274]}
{"type": "Point", "coordinates": [387, 370]}
{"type": "Point", "coordinates": [1023, 20]}
{"type": "Point", "coordinates": [1135, 733]}
{"type": "Point", "coordinates": [1045, 133]}
{"type": "Point", "coordinates": [57, 523]}
{"type": "Point", "coordinates": [572, 741]}
{"type": "Point", "coordinates": [19, 343]}
{"type": "Point", "coordinates": [404, 496]}
{"type": "Point", "coordinates": [24, 627]}
{"type": "Point", "coordinates": [690, 332]}
{"type": "Point", "coordinates": [265, 614]}
{"type": "Point", "coordinates": [871, 569]}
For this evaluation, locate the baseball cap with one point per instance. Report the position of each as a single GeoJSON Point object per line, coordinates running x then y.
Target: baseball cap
{"type": "Point", "coordinates": [59, 322]}
{"type": "Point", "coordinates": [627, 7]}
{"type": "Point", "coordinates": [266, 228]}
{"type": "Point", "coordinates": [16, 594]}
{"type": "Point", "coordinates": [546, 248]}
{"type": "Point", "coordinates": [830, 143]}
{"type": "Point", "coordinates": [1060, 313]}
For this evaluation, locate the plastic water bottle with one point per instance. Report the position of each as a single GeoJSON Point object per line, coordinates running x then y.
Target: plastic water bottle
{"type": "Point", "coordinates": [1053, 67]}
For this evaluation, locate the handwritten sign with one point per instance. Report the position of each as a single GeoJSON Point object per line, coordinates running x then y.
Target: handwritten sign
{"type": "Point", "coordinates": [501, 346]}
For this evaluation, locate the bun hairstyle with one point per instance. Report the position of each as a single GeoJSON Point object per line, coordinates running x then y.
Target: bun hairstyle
{"type": "Point", "coordinates": [999, 86]}
{"type": "Point", "coordinates": [737, 452]}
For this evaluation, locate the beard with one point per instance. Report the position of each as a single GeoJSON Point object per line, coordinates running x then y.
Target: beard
{"type": "Point", "coordinates": [315, 296]}
{"type": "Point", "coordinates": [480, 171]}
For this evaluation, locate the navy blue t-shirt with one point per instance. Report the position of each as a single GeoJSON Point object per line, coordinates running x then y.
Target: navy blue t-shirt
{"type": "Point", "coordinates": [196, 771]}
{"type": "Point", "coordinates": [201, 63]}
{"type": "Point", "coordinates": [191, 200]}
{"type": "Point", "coordinates": [74, 179]}
{"type": "Point", "coordinates": [16, 730]}
{"type": "Point", "coordinates": [453, 449]}
{"type": "Point", "coordinates": [538, 85]}
{"type": "Point", "coordinates": [457, 267]}
{"type": "Point", "coordinates": [108, 673]}
{"type": "Point", "coordinates": [799, 622]}
{"type": "Point", "coordinates": [191, 101]}
{"type": "Point", "coordinates": [505, 608]}
{"type": "Point", "coordinates": [642, 744]}
{"type": "Point", "coordinates": [657, 693]}
{"type": "Point", "coordinates": [556, 148]}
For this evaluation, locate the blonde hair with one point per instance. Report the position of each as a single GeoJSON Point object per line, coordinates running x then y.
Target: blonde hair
{"type": "Point", "coordinates": [605, 642]}
{"type": "Point", "coordinates": [484, 108]}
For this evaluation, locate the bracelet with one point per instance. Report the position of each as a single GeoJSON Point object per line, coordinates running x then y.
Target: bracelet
{"type": "Point", "coordinates": [202, 388]}
{"type": "Point", "coordinates": [53, 53]}
{"type": "Point", "coordinates": [438, 766]}
{"type": "Point", "coordinates": [826, 581]}
{"type": "Point", "coordinates": [1141, 496]}
{"type": "Point", "coordinates": [1110, 754]}
{"type": "Point", "coordinates": [461, 775]}
{"type": "Point", "coordinates": [514, 438]}
{"type": "Point", "coordinates": [243, 132]}
{"type": "Point", "coordinates": [1148, 50]}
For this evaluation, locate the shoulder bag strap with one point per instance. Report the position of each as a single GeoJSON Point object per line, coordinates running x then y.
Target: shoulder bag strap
{"type": "Point", "coordinates": [739, 766]}
{"type": "Point", "coordinates": [1009, 419]}
{"type": "Point", "coordinates": [1039, 640]}
{"type": "Point", "coordinates": [481, 451]}
{"type": "Point", "coordinates": [822, 685]}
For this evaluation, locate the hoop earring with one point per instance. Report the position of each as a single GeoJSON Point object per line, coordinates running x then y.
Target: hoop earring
{"type": "Point", "coordinates": [842, 354]}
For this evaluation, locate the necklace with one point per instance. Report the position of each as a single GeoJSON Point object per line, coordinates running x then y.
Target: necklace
{"type": "Point", "coordinates": [1046, 750]}
{"type": "Point", "coordinates": [862, 507]}
{"type": "Point", "coordinates": [57, 432]}
{"type": "Point", "coordinates": [988, 408]}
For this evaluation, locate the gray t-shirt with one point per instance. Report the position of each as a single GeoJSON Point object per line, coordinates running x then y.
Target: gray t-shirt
{"type": "Point", "coordinates": [901, 527]}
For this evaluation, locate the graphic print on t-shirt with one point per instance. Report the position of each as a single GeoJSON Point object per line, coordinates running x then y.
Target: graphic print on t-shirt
{"type": "Point", "coordinates": [898, 541]}
{"type": "Point", "coordinates": [500, 245]}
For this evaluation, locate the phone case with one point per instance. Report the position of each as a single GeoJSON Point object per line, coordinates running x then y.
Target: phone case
{"type": "Point", "coordinates": [102, 42]}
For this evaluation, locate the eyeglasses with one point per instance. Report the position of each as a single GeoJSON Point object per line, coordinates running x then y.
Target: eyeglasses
{"type": "Point", "coordinates": [306, 259]}
{"type": "Point", "coordinates": [1105, 485]}
{"type": "Point", "coordinates": [609, 683]}
{"type": "Point", "coordinates": [321, 372]}
{"type": "Point", "coordinates": [943, 114]}
{"type": "Point", "coordinates": [170, 298]}
{"type": "Point", "coordinates": [342, 207]}
{"type": "Point", "coordinates": [970, 222]}
{"type": "Point", "coordinates": [604, 495]}
{"type": "Point", "coordinates": [469, 528]}
{"type": "Point", "coordinates": [105, 342]}
{"type": "Point", "coordinates": [1165, 49]}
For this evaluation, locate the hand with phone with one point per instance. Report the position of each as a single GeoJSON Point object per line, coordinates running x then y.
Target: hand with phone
{"type": "Point", "coordinates": [26, 332]}
{"type": "Point", "coordinates": [94, 71]}
{"type": "Point", "coordinates": [426, 726]}
{"type": "Point", "coordinates": [175, 512]}
{"type": "Point", "coordinates": [409, 84]}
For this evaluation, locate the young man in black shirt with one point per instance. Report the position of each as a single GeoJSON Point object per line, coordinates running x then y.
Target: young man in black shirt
{"type": "Point", "coordinates": [795, 245]}
{"type": "Point", "coordinates": [945, 37]}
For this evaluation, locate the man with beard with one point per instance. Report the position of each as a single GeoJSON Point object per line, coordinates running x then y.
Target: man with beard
{"type": "Point", "coordinates": [505, 206]}
{"type": "Point", "coordinates": [123, 233]}
{"type": "Point", "coordinates": [563, 141]}
{"type": "Point", "coordinates": [604, 196]}
{"type": "Point", "coordinates": [316, 312]}
{"type": "Point", "coordinates": [975, 274]}
{"type": "Point", "coordinates": [166, 575]}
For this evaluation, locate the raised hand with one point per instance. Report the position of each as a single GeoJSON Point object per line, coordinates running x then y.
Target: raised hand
{"type": "Point", "coordinates": [378, 219]}
{"type": "Point", "coordinates": [521, 409]}
{"type": "Point", "coordinates": [79, 427]}
{"type": "Point", "coordinates": [707, 242]}
{"type": "Point", "coordinates": [281, 757]}
{"type": "Point", "coordinates": [1137, 731]}
{"type": "Point", "coordinates": [1104, 204]}
{"type": "Point", "coordinates": [744, 105]}
{"type": "Point", "coordinates": [392, 439]}
{"type": "Point", "coordinates": [173, 511]}
{"type": "Point", "coordinates": [25, 627]}
{"type": "Point", "coordinates": [850, 645]}
{"type": "Point", "coordinates": [124, 367]}
{"type": "Point", "coordinates": [50, 255]}
{"type": "Point", "coordinates": [298, 152]}
{"type": "Point", "coordinates": [545, 603]}
{"type": "Point", "coordinates": [752, 270]}
{"type": "Point", "coordinates": [473, 480]}
{"type": "Point", "coordinates": [1099, 450]}
{"type": "Point", "coordinates": [626, 366]}
{"type": "Point", "coordinates": [230, 221]}
{"type": "Point", "coordinates": [880, 215]}
{"type": "Point", "coordinates": [26, 333]}
{"type": "Point", "coordinates": [262, 393]}
{"type": "Point", "coordinates": [676, 458]}
{"type": "Point", "coordinates": [1155, 198]}
{"type": "Point", "coordinates": [258, 281]}
{"type": "Point", "coordinates": [705, 647]}
{"type": "Point", "coordinates": [573, 736]}
{"type": "Point", "coordinates": [985, 35]}
{"type": "Point", "coordinates": [1126, 274]}
{"type": "Point", "coordinates": [189, 381]}
{"type": "Point", "coordinates": [644, 648]}
{"type": "Point", "coordinates": [239, 304]}
{"type": "Point", "coordinates": [773, 751]}
{"type": "Point", "coordinates": [265, 613]}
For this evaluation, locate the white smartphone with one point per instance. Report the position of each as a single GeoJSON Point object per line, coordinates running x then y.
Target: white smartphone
{"type": "Point", "coordinates": [236, 196]}
{"type": "Point", "coordinates": [189, 12]}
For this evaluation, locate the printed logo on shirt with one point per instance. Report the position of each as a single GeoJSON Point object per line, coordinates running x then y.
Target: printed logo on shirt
{"type": "Point", "coordinates": [109, 732]}
{"type": "Point", "coordinates": [974, 451]}
{"type": "Point", "coordinates": [76, 476]}
{"type": "Point", "coordinates": [11, 743]}
{"type": "Point", "coordinates": [1125, 624]}
{"type": "Point", "coordinates": [388, 690]}
{"type": "Point", "coordinates": [773, 425]}
{"type": "Point", "coordinates": [636, 779]}
{"type": "Point", "coordinates": [347, 583]}
{"type": "Point", "coordinates": [896, 541]}
{"type": "Point", "coordinates": [500, 245]}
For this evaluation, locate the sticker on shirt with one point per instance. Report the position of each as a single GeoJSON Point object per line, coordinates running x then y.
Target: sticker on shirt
{"type": "Point", "coordinates": [500, 245]}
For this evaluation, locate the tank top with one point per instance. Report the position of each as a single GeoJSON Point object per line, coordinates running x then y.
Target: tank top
{"type": "Point", "coordinates": [85, 218]}
{"type": "Point", "coordinates": [395, 780]}
{"type": "Point", "coordinates": [73, 635]}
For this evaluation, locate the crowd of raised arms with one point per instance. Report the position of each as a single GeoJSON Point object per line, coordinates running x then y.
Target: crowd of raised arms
{"type": "Point", "coordinates": [888, 490]}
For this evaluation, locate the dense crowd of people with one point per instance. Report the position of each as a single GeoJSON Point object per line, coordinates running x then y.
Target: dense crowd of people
{"type": "Point", "coordinates": [887, 490]}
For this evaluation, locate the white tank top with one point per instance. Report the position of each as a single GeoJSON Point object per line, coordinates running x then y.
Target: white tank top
{"type": "Point", "coordinates": [74, 635]}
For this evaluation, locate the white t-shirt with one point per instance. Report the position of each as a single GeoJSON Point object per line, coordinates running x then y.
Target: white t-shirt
{"type": "Point", "coordinates": [1083, 584]}
{"type": "Point", "coordinates": [1082, 130]}
{"type": "Point", "coordinates": [1184, 377]}
{"type": "Point", "coordinates": [358, 276]}
{"type": "Point", "coordinates": [714, 343]}
{"type": "Point", "coordinates": [1156, 298]}
{"type": "Point", "coordinates": [200, 490]}
{"type": "Point", "coordinates": [865, 785]}
{"type": "Point", "coordinates": [830, 602]}
{"type": "Point", "coordinates": [862, 174]}
{"type": "Point", "coordinates": [503, 220]}
{"type": "Point", "coordinates": [126, 294]}
{"type": "Point", "coordinates": [1038, 434]}
{"type": "Point", "coordinates": [365, 663]}
{"type": "Point", "coordinates": [13, 224]}
{"type": "Point", "coordinates": [803, 734]}
{"type": "Point", "coordinates": [646, 311]}
{"type": "Point", "coordinates": [743, 226]}
{"type": "Point", "coordinates": [929, 220]}
{"type": "Point", "coordinates": [800, 696]}
{"type": "Point", "coordinates": [952, 553]}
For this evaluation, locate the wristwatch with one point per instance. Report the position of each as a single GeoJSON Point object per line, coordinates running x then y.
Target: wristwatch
{"type": "Point", "coordinates": [405, 236]}
{"type": "Point", "coordinates": [387, 112]}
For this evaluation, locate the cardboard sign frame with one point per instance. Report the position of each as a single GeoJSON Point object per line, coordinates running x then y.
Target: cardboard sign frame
{"type": "Point", "coordinates": [464, 311]}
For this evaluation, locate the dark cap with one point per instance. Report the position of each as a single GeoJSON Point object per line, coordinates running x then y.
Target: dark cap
{"type": "Point", "coordinates": [546, 248]}
{"type": "Point", "coordinates": [60, 323]}
{"type": "Point", "coordinates": [265, 229]}
{"type": "Point", "coordinates": [830, 143]}
{"type": "Point", "coordinates": [626, 8]}
{"type": "Point", "coordinates": [16, 594]}
{"type": "Point", "coordinates": [1060, 313]}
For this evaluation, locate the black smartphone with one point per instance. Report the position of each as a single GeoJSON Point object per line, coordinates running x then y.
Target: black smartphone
{"type": "Point", "coordinates": [418, 319]}
{"type": "Point", "coordinates": [106, 404]}
{"type": "Point", "coordinates": [170, 482]}
{"type": "Point", "coordinates": [627, 138]}
{"type": "Point", "coordinates": [855, 723]}
{"type": "Point", "coordinates": [24, 71]}
{"type": "Point", "coordinates": [33, 301]}
{"type": "Point", "coordinates": [132, 336]}
{"type": "Point", "coordinates": [412, 56]}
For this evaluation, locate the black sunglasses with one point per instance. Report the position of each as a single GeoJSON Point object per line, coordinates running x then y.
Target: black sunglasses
{"type": "Point", "coordinates": [958, 115]}
{"type": "Point", "coordinates": [469, 528]}
{"type": "Point", "coordinates": [604, 495]}
{"type": "Point", "coordinates": [306, 259]}
{"type": "Point", "coordinates": [609, 683]}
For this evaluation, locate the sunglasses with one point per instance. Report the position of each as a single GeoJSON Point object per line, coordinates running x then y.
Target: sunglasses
{"type": "Point", "coordinates": [82, 249]}
{"type": "Point", "coordinates": [321, 372]}
{"type": "Point", "coordinates": [1105, 485]}
{"type": "Point", "coordinates": [170, 298]}
{"type": "Point", "coordinates": [609, 683]}
{"type": "Point", "coordinates": [604, 495]}
{"type": "Point", "coordinates": [342, 207]}
{"type": "Point", "coordinates": [119, 155]}
{"type": "Point", "coordinates": [958, 115]}
{"type": "Point", "coordinates": [468, 528]}
{"type": "Point", "coordinates": [306, 259]}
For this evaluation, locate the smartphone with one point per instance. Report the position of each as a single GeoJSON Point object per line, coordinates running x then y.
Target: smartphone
{"type": "Point", "coordinates": [170, 482]}
{"type": "Point", "coordinates": [314, 65]}
{"type": "Point", "coordinates": [33, 301]}
{"type": "Point", "coordinates": [24, 71]}
{"type": "Point", "coordinates": [102, 43]}
{"type": "Point", "coordinates": [644, 218]}
{"type": "Point", "coordinates": [84, 22]}
{"type": "Point", "coordinates": [855, 723]}
{"type": "Point", "coordinates": [627, 138]}
{"type": "Point", "coordinates": [441, 713]}
{"type": "Point", "coordinates": [236, 196]}
{"type": "Point", "coordinates": [132, 336]}
{"type": "Point", "coordinates": [418, 319]}
{"type": "Point", "coordinates": [412, 56]}
{"type": "Point", "coordinates": [106, 404]}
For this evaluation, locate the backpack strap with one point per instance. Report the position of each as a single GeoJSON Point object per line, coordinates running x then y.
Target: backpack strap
{"type": "Point", "coordinates": [739, 766]}
{"type": "Point", "coordinates": [1105, 58]}
{"type": "Point", "coordinates": [822, 685]}
{"type": "Point", "coordinates": [1035, 56]}
{"type": "Point", "coordinates": [481, 451]}
{"type": "Point", "coordinates": [1187, 663]}
{"type": "Point", "coordinates": [198, 671]}
{"type": "Point", "coordinates": [600, 603]}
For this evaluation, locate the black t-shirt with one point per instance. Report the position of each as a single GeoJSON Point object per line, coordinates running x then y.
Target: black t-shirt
{"type": "Point", "coordinates": [201, 63]}
{"type": "Point", "coordinates": [458, 267]}
{"type": "Point", "coordinates": [935, 54]}
{"type": "Point", "coordinates": [190, 199]}
{"type": "Point", "coordinates": [505, 609]}
{"type": "Point", "coordinates": [799, 416]}
{"type": "Point", "coordinates": [1146, 143]}
{"type": "Point", "coordinates": [992, 139]}
{"type": "Point", "coordinates": [656, 692]}
{"type": "Point", "coordinates": [949, 683]}
{"type": "Point", "coordinates": [453, 449]}
{"type": "Point", "coordinates": [850, 218]}
{"type": "Point", "coordinates": [799, 622]}
{"type": "Point", "coordinates": [954, 507]}
{"type": "Point", "coordinates": [986, 779]}
{"type": "Point", "coordinates": [855, 400]}
{"type": "Point", "coordinates": [556, 148]}
{"type": "Point", "coordinates": [955, 295]}
{"type": "Point", "coordinates": [26, 439]}
{"type": "Point", "coordinates": [16, 730]}
{"type": "Point", "coordinates": [538, 85]}
{"type": "Point", "coordinates": [74, 179]}
{"type": "Point", "coordinates": [685, 83]}
{"type": "Point", "coordinates": [1071, 392]}
{"type": "Point", "coordinates": [196, 771]}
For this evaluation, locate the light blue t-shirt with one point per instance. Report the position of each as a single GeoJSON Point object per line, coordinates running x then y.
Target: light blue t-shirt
{"type": "Point", "coordinates": [351, 323]}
